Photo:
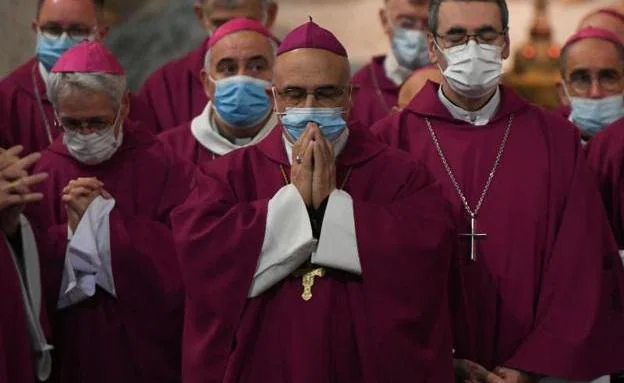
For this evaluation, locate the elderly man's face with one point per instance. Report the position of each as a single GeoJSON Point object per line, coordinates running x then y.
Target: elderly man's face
{"type": "Point", "coordinates": [312, 78]}
{"type": "Point", "coordinates": [458, 20]}
{"type": "Point", "coordinates": [214, 13]}
{"type": "Point", "coordinates": [606, 21]}
{"type": "Point", "coordinates": [79, 18]}
{"type": "Point", "coordinates": [88, 112]}
{"type": "Point", "coordinates": [594, 69]}
{"type": "Point", "coordinates": [408, 14]}
{"type": "Point", "coordinates": [242, 53]}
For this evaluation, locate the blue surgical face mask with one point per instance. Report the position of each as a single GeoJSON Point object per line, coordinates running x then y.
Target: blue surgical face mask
{"type": "Point", "coordinates": [593, 115]}
{"type": "Point", "coordinates": [330, 120]}
{"type": "Point", "coordinates": [242, 101]}
{"type": "Point", "coordinates": [410, 48]}
{"type": "Point", "coordinates": [50, 50]}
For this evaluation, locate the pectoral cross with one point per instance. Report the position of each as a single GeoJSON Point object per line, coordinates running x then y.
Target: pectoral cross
{"type": "Point", "coordinates": [473, 236]}
{"type": "Point", "coordinates": [307, 281]}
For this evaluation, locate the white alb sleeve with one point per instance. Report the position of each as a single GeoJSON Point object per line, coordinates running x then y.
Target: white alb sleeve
{"type": "Point", "coordinates": [337, 248]}
{"type": "Point", "coordinates": [88, 256]}
{"type": "Point", "coordinates": [288, 240]}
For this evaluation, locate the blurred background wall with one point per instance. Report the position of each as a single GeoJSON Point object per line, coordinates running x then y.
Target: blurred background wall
{"type": "Point", "coordinates": [148, 33]}
{"type": "Point", "coordinates": [18, 41]}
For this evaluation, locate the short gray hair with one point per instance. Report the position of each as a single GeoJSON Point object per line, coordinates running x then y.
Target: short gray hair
{"type": "Point", "coordinates": [434, 12]}
{"type": "Point", "coordinates": [207, 56]}
{"type": "Point", "coordinates": [113, 85]}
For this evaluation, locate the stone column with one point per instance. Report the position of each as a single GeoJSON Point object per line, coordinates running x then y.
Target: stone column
{"type": "Point", "coordinates": [18, 43]}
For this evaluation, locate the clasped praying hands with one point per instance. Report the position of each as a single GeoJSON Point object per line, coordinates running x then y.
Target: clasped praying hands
{"type": "Point", "coordinates": [15, 186]}
{"type": "Point", "coordinates": [313, 169]}
{"type": "Point", "coordinates": [78, 195]}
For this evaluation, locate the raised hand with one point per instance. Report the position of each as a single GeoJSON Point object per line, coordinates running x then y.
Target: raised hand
{"type": "Point", "coordinates": [15, 184]}
{"type": "Point", "coordinates": [324, 175]}
{"type": "Point", "coordinates": [302, 167]}
{"type": "Point", "coordinates": [470, 372]}
{"type": "Point", "coordinates": [509, 375]}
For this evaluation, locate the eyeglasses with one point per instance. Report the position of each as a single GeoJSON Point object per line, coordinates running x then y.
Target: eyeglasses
{"type": "Point", "coordinates": [454, 39]}
{"type": "Point", "coordinates": [325, 95]}
{"type": "Point", "coordinates": [93, 123]}
{"type": "Point", "coordinates": [76, 33]}
{"type": "Point", "coordinates": [608, 81]}
{"type": "Point", "coordinates": [411, 23]}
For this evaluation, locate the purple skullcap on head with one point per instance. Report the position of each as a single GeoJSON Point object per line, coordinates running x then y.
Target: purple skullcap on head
{"type": "Point", "coordinates": [593, 33]}
{"type": "Point", "coordinates": [238, 25]}
{"type": "Point", "coordinates": [88, 57]}
{"type": "Point", "coordinates": [605, 11]}
{"type": "Point", "coordinates": [310, 35]}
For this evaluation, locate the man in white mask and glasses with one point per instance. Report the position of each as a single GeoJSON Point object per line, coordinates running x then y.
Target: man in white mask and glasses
{"type": "Point", "coordinates": [319, 254]}
{"type": "Point", "coordinates": [237, 77]}
{"type": "Point", "coordinates": [377, 85]}
{"type": "Point", "coordinates": [592, 68]}
{"type": "Point", "coordinates": [27, 114]}
{"type": "Point", "coordinates": [111, 271]}
{"type": "Point", "coordinates": [533, 290]}
{"type": "Point", "coordinates": [175, 92]}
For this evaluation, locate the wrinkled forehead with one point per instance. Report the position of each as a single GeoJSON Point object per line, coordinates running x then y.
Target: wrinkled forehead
{"type": "Point", "coordinates": [593, 53]}
{"type": "Point", "coordinates": [310, 68]}
{"type": "Point", "coordinates": [468, 15]}
{"type": "Point", "coordinates": [243, 44]}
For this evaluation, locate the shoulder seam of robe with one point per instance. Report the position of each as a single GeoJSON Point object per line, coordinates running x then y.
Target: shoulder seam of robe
{"type": "Point", "coordinates": [25, 72]}
{"type": "Point", "coordinates": [376, 66]}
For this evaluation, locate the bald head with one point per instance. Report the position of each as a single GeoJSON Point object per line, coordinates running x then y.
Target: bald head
{"type": "Point", "coordinates": [98, 4]}
{"type": "Point", "coordinates": [609, 19]}
{"type": "Point", "coordinates": [214, 13]}
{"type": "Point", "coordinates": [312, 70]}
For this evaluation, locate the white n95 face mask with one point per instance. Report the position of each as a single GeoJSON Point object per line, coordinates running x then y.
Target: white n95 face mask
{"type": "Point", "coordinates": [473, 70]}
{"type": "Point", "coordinates": [93, 148]}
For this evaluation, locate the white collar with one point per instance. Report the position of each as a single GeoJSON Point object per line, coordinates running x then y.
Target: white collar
{"type": "Point", "coordinates": [394, 70]}
{"type": "Point", "coordinates": [478, 117]}
{"type": "Point", "coordinates": [206, 132]}
{"type": "Point", "coordinates": [339, 144]}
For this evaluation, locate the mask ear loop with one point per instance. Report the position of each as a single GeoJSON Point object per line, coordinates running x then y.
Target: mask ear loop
{"type": "Point", "coordinates": [275, 108]}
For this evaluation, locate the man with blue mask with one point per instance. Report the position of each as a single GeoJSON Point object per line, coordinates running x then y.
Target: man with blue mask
{"type": "Point", "coordinates": [592, 69]}
{"type": "Point", "coordinates": [319, 254]}
{"type": "Point", "coordinates": [377, 85]}
{"type": "Point", "coordinates": [237, 78]}
{"type": "Point", "coordinates": [28, 118]}
{"type": "Point", "coordinates": [529, 222]}
{"type": "Point", "coordinates": [595, 62]}
{"type": "Point", "coordinates": [111, 187]}
{"type": "Point", "coordinates": [175, 92]}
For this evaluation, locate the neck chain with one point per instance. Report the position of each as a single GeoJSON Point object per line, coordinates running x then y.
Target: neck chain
{"type": "Point", "coordinates": [40, 103]}
{"type": "Point", "coordinates": [473, 235]}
